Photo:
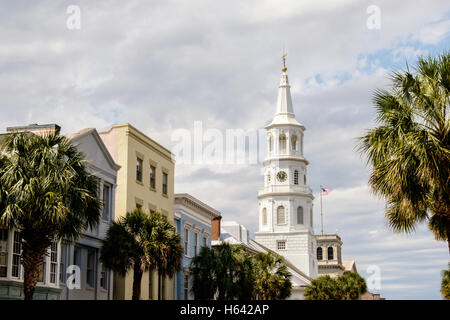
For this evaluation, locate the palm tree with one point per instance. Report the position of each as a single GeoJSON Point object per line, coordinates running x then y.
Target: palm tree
{"type": "Point", "coordinates": [141, 241]}
{"type": "Point", "coordinates": [168, 252]}
{"type": "Point", "coordinates": [349, 286]}
{"type": "Point", "coordinates": [410, 149]}
{"type": "Point", "coordinates": [322, 288]}
{"type": "Point", "coordinates": [46, 193]}
{"type": "Point", "coordinates": [204, 275]}
{"type": "Point", "coordinates": [272, 277]}
{"type": "Point", "coordinates": [225, 273]}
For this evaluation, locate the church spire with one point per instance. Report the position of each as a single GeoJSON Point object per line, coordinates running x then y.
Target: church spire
{"type": "Point", "coordinates": [285, 111]}
{"type": "Point", "coordinates": [284, 103]}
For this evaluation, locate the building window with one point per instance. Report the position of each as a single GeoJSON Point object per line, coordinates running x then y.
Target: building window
{"type": "Point", "coordinates": [296, 177]}
{"type": "Point", "coordinates": [294, 142]}
{"type": "Point", "coordinates": [152, 177]}
{"type": "Point", "coordinates": [138, 206]}
{"type": "Point", "coordinates": [139, 170]}
{"type": "Point", "coordinates": [186, 286]}
{"type": "Point", "coordinates": [270, 140]}
{"type": "Point", "coordinates": [3, 252]}
{"type": "Point", "coordinates": [104, 277]}
{"type": "Point", "coordinates": [186, 241]}
{"type": "Point", "coordinates": [330, 253]}
{"type": "Point", "coordinates": [16, 254]}
{"type": "Point", "coordinates": [319, 253]}
{"type": "Point", "coordinates": [300, 215]}
{"type": "Point", "coordinates": [106, 202]}
{"type": "Point", "coordinates": [282, 143]}
{"type": "Point", "coordinates": [164, 183]}
{"type": "Point", "coordinates": [53, 262]}
{"type": "Point", "coordinates": [90, 270]}
{"type": "Point", "coordinates": [281, 245]}
{"type": "Point", "coordinates": [268, 178]}
{"type": "Point", "coordinates": [205, 241]}
{"type": "Point", "coordinates": [195, 243]}
{"type": "Point", "coordinates": [264, 217]}
{"type": "Point", "coordinates": [281, 218]}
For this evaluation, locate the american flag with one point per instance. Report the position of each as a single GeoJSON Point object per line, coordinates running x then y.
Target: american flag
{"type": "Point", "coordinates": [325, 190]}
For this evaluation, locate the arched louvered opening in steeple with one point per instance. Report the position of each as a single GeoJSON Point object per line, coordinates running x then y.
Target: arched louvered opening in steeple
{"type": "Point", "coordinates": [330, 253]}
{"type": "Point", "coordinates": [319, 253]}
{"type": "Point", "coordinates": [282, 143]}
{"type": "Point", "coordinates": [281, 218]}
{"type": "Point", "coordinates": [264, 217]}
{"type": "Point", "coordinates": [294, 143]}
{"type": "Point", "coordinates": [270, 143]}
{"type": "Point", "coordinates": [300, 215]}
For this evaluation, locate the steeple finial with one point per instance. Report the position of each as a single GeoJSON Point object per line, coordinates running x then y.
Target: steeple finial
{"type": "Point", "coordinates": [284, 69]}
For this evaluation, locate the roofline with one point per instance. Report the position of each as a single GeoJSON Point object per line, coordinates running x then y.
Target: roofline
{"type": "Point", "coordinates": [288, 263]}
{"type": "Point", "coordinates": [215, 213]}
{"type": "Point", "coordinates": [99, 140]}
{"type": "Point", "coordinates": [127, 124]}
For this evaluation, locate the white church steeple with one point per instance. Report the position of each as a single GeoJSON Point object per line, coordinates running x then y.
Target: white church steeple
{"type": "Point", "coordinates": [286, 201]}
{"type": "Point", "coordinates": [284, 112]}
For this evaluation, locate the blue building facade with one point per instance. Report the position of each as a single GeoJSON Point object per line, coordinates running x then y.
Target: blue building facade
{"type": "Point", "coordinates": [192, 219]}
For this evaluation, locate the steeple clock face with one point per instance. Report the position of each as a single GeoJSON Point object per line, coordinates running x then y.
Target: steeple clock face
{"type": "Point", "coordinates": [281, 176]}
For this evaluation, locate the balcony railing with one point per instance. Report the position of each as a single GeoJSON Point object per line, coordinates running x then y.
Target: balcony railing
{"type": "Point", "coordinates": [283, 189]}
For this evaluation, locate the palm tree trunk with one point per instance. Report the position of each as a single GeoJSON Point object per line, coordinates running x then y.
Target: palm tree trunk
{"type": "Point", "coordinates": [30, 277]}
{"type": "Point", "coordinates": [137, 278]}
{"type": "Point", "coordinates": [32, 259]}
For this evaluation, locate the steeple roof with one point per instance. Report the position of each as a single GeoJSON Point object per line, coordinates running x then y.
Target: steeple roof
{"type": "Point", "coordinates": [285, 112]}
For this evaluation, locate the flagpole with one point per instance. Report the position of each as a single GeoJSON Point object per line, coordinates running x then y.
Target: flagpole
{"type": "Point", "coordinates": [321, 213]}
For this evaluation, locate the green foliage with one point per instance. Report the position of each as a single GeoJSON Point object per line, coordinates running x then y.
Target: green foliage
{"type": "Point", "coordinates": [230, 272]}
{"type": "Point", "coordinates": [445, 284]}
{"type": "Point", "coordinates": [45, 187]}
{"type": "Point", "coordinates": [409, 151]}
{"type": "Point", "coordinates": [348, 286]}
{"type": "Point", "coordinates": [142, 241]}
{"type": "Point", "coordinates": [273, 280]}
{"type": "Point", "coordinates": [46, 193]}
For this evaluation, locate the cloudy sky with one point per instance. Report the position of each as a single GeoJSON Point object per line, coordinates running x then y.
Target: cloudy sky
{"type": "Point", "coordinates": [162, 65]}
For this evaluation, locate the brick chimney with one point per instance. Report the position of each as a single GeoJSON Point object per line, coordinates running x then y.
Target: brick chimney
{"type": "Point", "coordinates": [215, 228]}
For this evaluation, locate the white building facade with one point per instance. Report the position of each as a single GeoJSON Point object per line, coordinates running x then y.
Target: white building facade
{"type": "Point", "coordinates": [96, 281]}
{"type": "Point", "coordinates": [286, 201]}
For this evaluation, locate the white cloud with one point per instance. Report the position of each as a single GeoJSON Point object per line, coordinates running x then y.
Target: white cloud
{"type": "Point", "coordinates": [164, 65]}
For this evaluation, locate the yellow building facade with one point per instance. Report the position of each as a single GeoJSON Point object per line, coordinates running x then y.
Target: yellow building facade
{"type": "Point", "coordinates": [145, 180]}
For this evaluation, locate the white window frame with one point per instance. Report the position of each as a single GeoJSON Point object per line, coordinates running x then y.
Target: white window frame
{"type": "Point", "coordinates": [279, 242]}
{"type": "Point", "coordinates": [196, 237]}
{"type": "Point", "coordinates": [186, 241]}
{"type": "Point", "coordinates": [284, 215]}
{"type": "Point", "coordinates": [107, 209]}
{"type": "Point", "coordinates": [15, 254]}
{"type": "Point", "coordinates": [5, 252]}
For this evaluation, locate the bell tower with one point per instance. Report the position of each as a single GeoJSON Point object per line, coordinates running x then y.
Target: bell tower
{"type": "Point", "coordinates": [285, 200]}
